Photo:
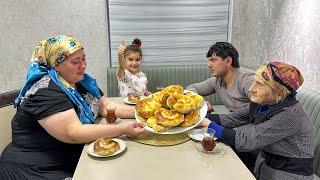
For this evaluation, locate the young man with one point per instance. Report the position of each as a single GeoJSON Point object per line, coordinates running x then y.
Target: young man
{"type": "Point", "coordinates": [231, 83]}
{"type": "Point", "coordinates": [228, 80]}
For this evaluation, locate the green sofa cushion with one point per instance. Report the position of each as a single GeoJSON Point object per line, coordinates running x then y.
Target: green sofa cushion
{"type": "Point", "coordinates": [162, 76]}
{"type": "Point", "coordinates": [310, 101]}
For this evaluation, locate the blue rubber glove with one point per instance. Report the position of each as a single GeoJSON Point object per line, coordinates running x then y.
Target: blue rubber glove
{"type": "Point", "coordinates": [217, 128]}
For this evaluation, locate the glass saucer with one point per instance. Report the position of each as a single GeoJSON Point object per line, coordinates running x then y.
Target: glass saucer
{"type": "Point", "coordinates": [218, 150]}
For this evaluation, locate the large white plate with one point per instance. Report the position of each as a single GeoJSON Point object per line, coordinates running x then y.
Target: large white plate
{"type": "Point", "coordinates": [176, 130]}
{"type": "Point", "coordinates": [122, 145]}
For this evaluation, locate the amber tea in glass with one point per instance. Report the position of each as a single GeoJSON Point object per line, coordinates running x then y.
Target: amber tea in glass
{"type": "Point", "coordinates": [111, 115]}
{"type": "Point", "coordinates": [208, 143]}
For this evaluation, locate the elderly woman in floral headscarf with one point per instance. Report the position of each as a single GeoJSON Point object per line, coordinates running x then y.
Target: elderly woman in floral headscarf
{"type": "Point", "coordinates": [56, 109]}
{"type": "Point", "coordinates": [274, 122]}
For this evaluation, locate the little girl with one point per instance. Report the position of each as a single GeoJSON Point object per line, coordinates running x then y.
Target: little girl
{"type": "Point", "coordinates": [130, 79]}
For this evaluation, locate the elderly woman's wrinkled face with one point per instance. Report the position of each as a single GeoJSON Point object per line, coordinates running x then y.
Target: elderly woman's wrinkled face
{"type": "Point", "coordinates": [72, 69]}
{"type": "Point", "coordinates": [261, 92]}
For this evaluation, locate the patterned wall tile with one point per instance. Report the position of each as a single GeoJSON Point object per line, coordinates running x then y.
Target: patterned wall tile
{"type": "Point", "coordinates": [287, 30]}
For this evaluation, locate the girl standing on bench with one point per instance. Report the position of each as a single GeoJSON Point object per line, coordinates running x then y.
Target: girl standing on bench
{"type": "Point", "coordinates": [130, 79]}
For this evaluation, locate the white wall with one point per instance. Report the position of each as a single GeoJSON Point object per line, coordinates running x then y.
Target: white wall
{"type": "Point", "coordinates": [287, 30]}
{"type": "Point", "coordinates": [24, 23]}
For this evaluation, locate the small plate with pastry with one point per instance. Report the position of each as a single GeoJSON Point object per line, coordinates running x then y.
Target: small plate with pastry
{"type": "Point", "coordinates": [105, 147]}
{"type": "Point", "coordinates": [171, 111]}
{"type": "Point", "coordinates": [132, 99]}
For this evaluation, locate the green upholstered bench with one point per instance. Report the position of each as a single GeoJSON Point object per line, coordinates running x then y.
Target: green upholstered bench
{"type": "Point", "coordinates": [162, 76]}
{"type": "Point", "coordinates": [310, 101]}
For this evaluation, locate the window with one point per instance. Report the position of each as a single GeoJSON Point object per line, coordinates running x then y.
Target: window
{"type": "Point", "coordinates": [171, 31]}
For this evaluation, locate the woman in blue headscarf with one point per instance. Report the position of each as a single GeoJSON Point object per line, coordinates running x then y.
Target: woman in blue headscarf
{"type": "Point", "coordinates": [55, 114]}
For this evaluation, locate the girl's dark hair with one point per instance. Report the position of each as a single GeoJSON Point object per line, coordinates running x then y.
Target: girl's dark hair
{"type": "Point", "coordinates": [133, 47]}
{"type": "Point", "coordinates": [223, 50]}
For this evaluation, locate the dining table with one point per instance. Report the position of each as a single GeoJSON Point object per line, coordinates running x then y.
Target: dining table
{"type": "Point", "coordinates": [147, 162]}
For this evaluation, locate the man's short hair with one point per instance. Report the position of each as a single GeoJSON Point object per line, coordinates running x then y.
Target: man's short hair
{"type": "Point", "coordinates": [223, 50]}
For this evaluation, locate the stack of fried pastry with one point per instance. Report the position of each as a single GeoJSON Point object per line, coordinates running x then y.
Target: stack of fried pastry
{"type": "Point", "coordinates": [170, 108]}
{"type": "Point", "coordinates": [105, 147]}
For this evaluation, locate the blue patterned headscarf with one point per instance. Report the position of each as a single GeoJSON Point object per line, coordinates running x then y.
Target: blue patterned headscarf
{"type": "Point", "coordinates": [46, 55]}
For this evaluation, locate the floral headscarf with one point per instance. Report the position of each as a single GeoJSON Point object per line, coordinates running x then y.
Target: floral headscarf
{"type": "Point", "coordinates": [55, 50]}
{"type": "Point", "coordinates": [281, 75]}
{"type": "Point", "coordinates": [46, 55]}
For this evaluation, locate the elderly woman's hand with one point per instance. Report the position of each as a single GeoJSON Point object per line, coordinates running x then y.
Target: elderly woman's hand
{"type": "Point", "coordinates": [133, 128]}
{"type": "Point", "coordinates": [205, 122]}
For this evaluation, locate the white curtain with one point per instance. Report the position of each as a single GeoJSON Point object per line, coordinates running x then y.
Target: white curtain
{"type": "Point", "coordinates": [172, 31]}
